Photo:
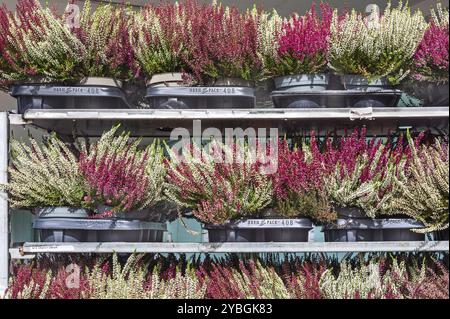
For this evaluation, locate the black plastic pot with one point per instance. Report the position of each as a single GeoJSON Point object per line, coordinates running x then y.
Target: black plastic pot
{"type": "Point", "coordinates": [348, 230]}
{"type": "Point", "coordinates": [42, 96]}
{"type": "Point", "coordinates": [441, 235]}
{"type": "Point", "coordinates": [212, 97]}
{"type": "Point", "coordinates": [261, 230]}
{"type": "Point", "coordinates": [360, 83]}
{"type": "Point", "coordinates": [51, 215]}
{"type": "Point", "coordinates": [353, 226]}
{"type": "Point", "coordinates": [431, 94]}
{"type": "Point", "coordinates": [92, 230]}
{"type": "Point", "coordinates": [130, 231]}
{"type": "Point", "coordinates": [335, 84]}
{"type": "Point", "coordinates": [142, 215]}
{"type": "Point", "coordinates": [377, 93]}
{"type": "Point", "coordinates": [302, 82]}
{"type": "Point", "coordinates": [60, 212]}
{"type": "Point", "coordinates": [304, 88]}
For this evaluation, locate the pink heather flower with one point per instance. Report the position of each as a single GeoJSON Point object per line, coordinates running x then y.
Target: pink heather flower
{"type": "Point", "coordinates": [304, 42]}
{"type": "Point", "coordinates": [219, 44]}
{"type": "Point", "coordinates": [431, 57]}
{"type": "Point", "coordinates": [118, 181]}
{"type": "Point", "coordinates": [222, 200]}
{"type": "Point", "coordinates": [296, 173]}
{"type": "Point", "coordinates": [12, 61]}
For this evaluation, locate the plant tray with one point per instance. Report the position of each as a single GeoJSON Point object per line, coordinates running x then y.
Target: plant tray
{"type": "Point", "coordinates": [366, 229]}
{"type": "Point", "coordinates": [92, 230]}
{"type": "Point", "coordinates": [261, 230]}
{"type": "Point", "coordinates": [441, 235]}
{"type": "Point", "coordinates": [68, 97]}
{"type": "Point", "coordinates": [213, 97]}
{"type": "Point", "coordinates": [335, 98]}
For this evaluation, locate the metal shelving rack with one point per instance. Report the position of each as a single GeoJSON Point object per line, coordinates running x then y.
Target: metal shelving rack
{"type": "Point", "coordinates": [157, 123]}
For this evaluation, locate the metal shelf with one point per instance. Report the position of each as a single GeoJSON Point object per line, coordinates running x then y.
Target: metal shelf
{"type": "Point", "coordinates": [378, 121]}
{"type": "Point", "coordinates": [153, 122]}
{"type": "Point", "coordinates": [272, 247]}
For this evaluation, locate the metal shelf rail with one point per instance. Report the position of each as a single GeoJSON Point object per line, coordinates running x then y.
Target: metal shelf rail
{"type": "Point", "coordinates": [271, 247]}
{"type": "Point", "coordinates": [156, 122]}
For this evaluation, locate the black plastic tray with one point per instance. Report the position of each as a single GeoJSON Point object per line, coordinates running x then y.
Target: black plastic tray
{"type": "Point", "coordinates": [68, 97]}
{"type": "Point", "coordinates": [261, 230]}
{"type": "Point", "coordinates": [93, 230]}
{"type": "Point", "coordinates": [214, 97]}
{"type": "Point", "coordinates": [389, 229]}
{"type": "Point", "coordinates": [335, 98]}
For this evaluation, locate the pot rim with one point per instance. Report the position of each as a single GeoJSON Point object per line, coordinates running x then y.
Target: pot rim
{"type": "Point", "coordinates": [101, 81]}
{"type": "Point", "coordinates": [160, 78]}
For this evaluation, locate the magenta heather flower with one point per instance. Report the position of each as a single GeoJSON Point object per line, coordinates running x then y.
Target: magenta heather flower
{"type": "Point", "coordinates": [219, 42]}
{"type": "Point", "coordinates": [14, 65]}
{"type": "Point", "coordinates": [431, 57]}
{"type": "Point", "coordinates": [304, 42]}
{"type": "Point", "coordinates": [218, 192]}
{"type": "Point", "coordinates": [299, 182]}
{"type": "Point", "coordinates": [5, 57]}
{"type": "Point", "coordinates": [117, 180]}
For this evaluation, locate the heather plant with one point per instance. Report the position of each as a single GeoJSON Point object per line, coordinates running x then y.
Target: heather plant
{"type": "Point", "coordinates": [303, 279]}
{"type": "Point", "coordinates": [41, 45]}
{"type": "Point", "coordinates": [299, 183]}
{"type": "Point", "coordinates": [156, 36]}
{"type": "Point", "coordinates": [369, 280]}
{"type": "Point", "coordinates": [218, 191]}
{"type": "Point", "coordinates": [380, 48]}
{"type": "Point", "coordinates": [431, 57]}
{"type": "Point", "coordinates": [220, 42]}
{"type": "Point", "coordinates": [304, 43]}
{"type": "Point", "coordinates": [120, 175]}
{"type": "Point", "coordinates": [248, 280]}
{"type": "Point", "coordinates": [30, 284]}
{"type": "Point", "coordinates": [181, 286]}
{"type": "Point", "coordinates": [260, 282]}
{"type": "Point", "coordinates": [127, 282]}
{"type": "Point", "coordinates": [269, 27]}
{"type": "Point", "coordinates": [435, 284]}
{"type": "Point", "coordinates": [422, 191]}
{"type": "Point", "coordinates": [7, 63]}
{"type": "Point", "coordinates": [132, 281]}
{"type": "Point", "coordinates": [399, 277]}
{"type": "Point", "coordinates": [361, 173]}
{"type": "Point", "coordinates": [44, 175]}
{"type": "Point", "coordinates": [104, 33]}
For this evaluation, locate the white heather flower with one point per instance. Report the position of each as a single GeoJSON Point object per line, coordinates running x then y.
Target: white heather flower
{"type": "Point", "coordinates": [440, 16]}
{"type": "Point", "coordinates": [269, 27]}
{"type": "Point", "coordinates": [376, 50]}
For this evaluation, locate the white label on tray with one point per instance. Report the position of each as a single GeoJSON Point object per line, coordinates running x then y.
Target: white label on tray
{"type": "Point", "coordinates": [212, 90]}
{"type": "Point", "coordinates": [50, 248]}
{"type": "Point", "coordinates": [75, 90]}
{"type": "Point", "coordinates": [271, 223]}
